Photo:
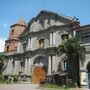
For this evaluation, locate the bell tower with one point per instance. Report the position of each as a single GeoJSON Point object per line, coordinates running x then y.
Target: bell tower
{"type": "Point", "coordinates": [15, 31]}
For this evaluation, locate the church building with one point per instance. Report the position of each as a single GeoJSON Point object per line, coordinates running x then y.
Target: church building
{"type": "Point", "coordinates": [30, 49]}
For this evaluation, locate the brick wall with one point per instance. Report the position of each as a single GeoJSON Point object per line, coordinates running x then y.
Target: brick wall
{"type": "Point", "coordinates": [15, 31]}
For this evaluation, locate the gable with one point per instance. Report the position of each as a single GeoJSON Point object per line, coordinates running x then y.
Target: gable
{"type": "Point", "coordinates": [48, 14]}
{"type": "Point", "coordinates": [47, 19]}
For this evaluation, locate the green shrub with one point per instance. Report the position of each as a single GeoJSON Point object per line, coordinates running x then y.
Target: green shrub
{"type": "Point", "coordinates": [1, 77]}
{"type": "Point", "coordinates": [15, 78]}
{"type": "Point", "coordinates": [56, 87]}
{"type": "Point", "coordinates": [7, 81]}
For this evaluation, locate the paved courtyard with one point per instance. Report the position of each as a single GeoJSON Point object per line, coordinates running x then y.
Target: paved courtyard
{"type": "Point", "coordinates": [24, 87]}
{"type": "Point", "coordinates": [18, 86]}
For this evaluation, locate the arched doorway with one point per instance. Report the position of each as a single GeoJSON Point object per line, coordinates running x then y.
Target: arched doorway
{"type": "Point", "coordinates": [40, 69]}
{"type": "Point", "coordinates": [88, 68]}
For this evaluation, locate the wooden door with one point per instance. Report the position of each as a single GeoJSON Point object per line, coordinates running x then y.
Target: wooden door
{"type": "Point", "coordinates": [39, 74]}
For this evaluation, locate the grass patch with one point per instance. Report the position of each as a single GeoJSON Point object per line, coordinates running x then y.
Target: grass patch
{"type": "Point", "coordinates": [49, 86]}
{"type": "Point", "coordinates": [2, 79]}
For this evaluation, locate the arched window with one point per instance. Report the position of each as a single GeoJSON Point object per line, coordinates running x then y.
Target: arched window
{"type": "Point", "coordinates": [24, 46]}
{"type": "Point", "coordinates": [12, 31]}
{"type": "Point", "coordinates": [41, 43]}
{"type": "Point", "coordinates": [65, 65]}
{"type": "Point", "coordinates": [42, 24]}
{"type": "Point", "coordinates": [7, 48]}
{"type": "Point", "coordinates": [64, 37]}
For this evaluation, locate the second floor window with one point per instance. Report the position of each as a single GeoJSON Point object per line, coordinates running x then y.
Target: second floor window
{"type": "Point", "coordinates": [24, 46]}
{"type": "Point", "coordinates": [64, 37]}
{"type": "Point", "coordinates": [41, 43]}
{"type": "Point", "coordinates": [12, 32]}
{"type": "Point", "coordinates": [48, 22]}
{"type": "Point", "coordinates": [65, 65]}
{"type": "Point", "coordinates": [7, 49]}
{"type": "Point", "coordinates": [85, 37]}
{"type": "Point", "coordinates": [42, 24]}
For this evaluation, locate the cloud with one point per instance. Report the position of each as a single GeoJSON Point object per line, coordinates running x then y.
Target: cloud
{"type": "Point", "coordinates": [3, 25]}
{"type": "Point", "coordinates": [2, 43]}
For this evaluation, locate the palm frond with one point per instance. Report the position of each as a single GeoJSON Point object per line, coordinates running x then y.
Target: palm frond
{"type": "Point", "coordinates": [72, 46]}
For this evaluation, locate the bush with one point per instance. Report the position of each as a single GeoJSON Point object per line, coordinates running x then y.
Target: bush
{"type": "Point", "coordinates": [15, 78]}
{"type": "Point", "coordinates": [56, 87]}
{"type": "Point", "coordinates": [1, 78]}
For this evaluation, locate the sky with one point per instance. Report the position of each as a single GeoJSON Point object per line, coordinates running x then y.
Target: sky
{"type": "Point", "coordinates": [13, 10]}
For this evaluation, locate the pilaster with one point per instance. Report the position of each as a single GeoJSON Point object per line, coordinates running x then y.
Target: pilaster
{"type": "Point", "coordinates": [49, 65]}
{"type": "Point", "coordinates": [26, 65]}
{"type": "Point", "coordinates": [29, 66]}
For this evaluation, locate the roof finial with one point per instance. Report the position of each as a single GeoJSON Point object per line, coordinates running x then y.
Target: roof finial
{"type": "Point", "coordinates": [75, 19]}
{"type": "Point", "coordinates": [21, 22]}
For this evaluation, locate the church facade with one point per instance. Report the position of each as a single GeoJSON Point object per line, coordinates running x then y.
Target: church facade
{"type": "Point", "coordinates": [31, 48]}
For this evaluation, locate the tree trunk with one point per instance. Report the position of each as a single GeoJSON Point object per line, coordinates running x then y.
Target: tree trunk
{"type": "Point", "coordinates": [73, 68]}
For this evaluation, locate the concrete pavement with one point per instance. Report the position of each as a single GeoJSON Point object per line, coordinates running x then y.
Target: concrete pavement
{"type": "Point", "coordinates": [26, 87]}
{"type": "Point", "coordinates": [18, 86]}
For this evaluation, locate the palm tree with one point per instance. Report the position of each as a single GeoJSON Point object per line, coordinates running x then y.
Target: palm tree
{"type": "Point", "coordinates": [74, 51]}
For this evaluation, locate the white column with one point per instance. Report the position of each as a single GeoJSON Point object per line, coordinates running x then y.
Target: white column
{"type": "Point", "coordinates": [53, 63]}
{"type": "Point", "coordinates": [19, 45]}
{"type": "Point", "coordinates": [18, 66]}
{"type": "Point", "coordinates": [54, 38]}
{"type": "Point", "coordinates": [11, 63]}
{"type": "Point", "coordinates": [29, 65]}
{"type": "Point", "coordinates": [51, 38]}
{"type": "Point", "coordinates": [49, 65]}
{"type": "Point", "coordinates": [15, 67]}
{"type": "Point", "coordinates": [31, 43]}
{"type": "Point", "coordinates": [26, 63]}
{"type": "Point", "coordinates": [70, 36]}
{"type": "Point", "coordinates": [74, 33]}
{"type": "Point", "coordinates": [9, 67]}
{"type": "Point", "coordinates": [28, 43]}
